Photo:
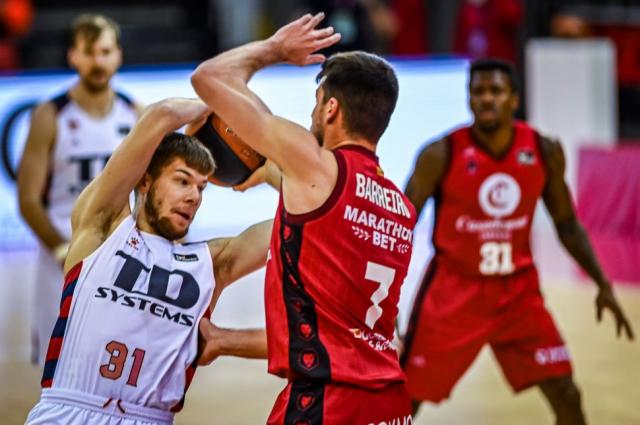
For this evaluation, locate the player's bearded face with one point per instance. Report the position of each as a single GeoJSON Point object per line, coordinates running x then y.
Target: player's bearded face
{"type": "Point", "coordinates": [96, 62]}
{"type": "Point", "coordinates": [492, 100]}
{"type": "Point", "coordinates": [173, 200]}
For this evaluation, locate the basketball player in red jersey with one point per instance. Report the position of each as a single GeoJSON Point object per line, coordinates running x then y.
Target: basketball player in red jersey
{"type": "Point", "coordinates": [342, 233]}
{"type": "Point", "coordinates": [482, 286]}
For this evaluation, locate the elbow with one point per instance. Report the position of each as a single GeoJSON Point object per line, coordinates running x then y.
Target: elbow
{"type": "Point", "coordinates": [26, 204]}
{"type": "Point", "coordinates": [207, 79]}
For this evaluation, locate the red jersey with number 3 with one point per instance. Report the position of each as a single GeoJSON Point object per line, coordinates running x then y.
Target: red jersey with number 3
{"type": "Point", "coordinates": [334, 276]}
{"type": "Point", "coordinates": [485, 206]}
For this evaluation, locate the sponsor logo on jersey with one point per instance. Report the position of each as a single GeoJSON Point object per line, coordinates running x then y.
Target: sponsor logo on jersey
{"type": "Point", "coordinates": [375, 340]}
{"type": "Point", "coordinates": [383, 197]}
{"type": "Point", "coordinates": [124, 129]}
{"type": "Point", "coordinates": [186, 258]}
{"type": "Point", "coordinates": [551, 355]}
{"type": "Point", "coordinates": [499, 195]}
{"type": "Point", "coordinates": [380, 231]}
{"type": "Point", "coordinates": [88, 167]}
{"type": "Point", "coordinates": [400, 420]}
{"type": "Point", "coordinates": [526, 157]}
{"type": "Point", "coordinates": [180, 284]}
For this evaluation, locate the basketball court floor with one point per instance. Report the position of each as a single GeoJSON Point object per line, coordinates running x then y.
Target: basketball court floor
{"type": "Point", "coordinates": [240, 392]}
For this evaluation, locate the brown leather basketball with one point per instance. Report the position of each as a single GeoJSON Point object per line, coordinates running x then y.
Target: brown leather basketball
{"type": "Point", "coordinates": [235, 160]}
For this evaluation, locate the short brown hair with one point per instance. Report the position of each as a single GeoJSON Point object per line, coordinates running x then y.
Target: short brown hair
{"type": "Point", "coordinates": [90, 27]}
{"type": "Point", "coordinates": [190, 149]}
{"type": "Point", "coordinates": [366, 87]}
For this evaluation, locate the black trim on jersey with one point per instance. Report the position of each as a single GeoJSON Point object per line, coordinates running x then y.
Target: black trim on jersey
{"type": "Point", "coordinates": [126, 99]}
{"type": "Point", "coordinates": [417, 309]}
{"type": "Point", "coordinates": [306, 403]}
{"type": "Point", "coordinates": [308, 357]}
{"type": "Point", "coordinates": [61, 101]}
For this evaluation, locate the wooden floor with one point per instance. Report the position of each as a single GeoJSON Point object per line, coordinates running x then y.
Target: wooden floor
{"type": "Point", "coordinates": [239, 392]}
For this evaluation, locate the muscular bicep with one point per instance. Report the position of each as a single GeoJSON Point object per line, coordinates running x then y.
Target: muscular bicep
{"type": "Point", "coordinates": [236, 257]}
{"type": "Point", "coordinates": [293, 148]}
{"type": "Point", "coordinates": [34, 166]}
{"type": "Point", "coordinates": [427, 174]}
{"type": "Point", "coordinates": [556, 195]}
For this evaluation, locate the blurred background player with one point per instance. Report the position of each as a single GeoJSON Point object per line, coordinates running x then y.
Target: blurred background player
{"type": "Point", "coordinates": [70, 140]}
{"type": "Point", "coordinates": [129, 268]}
{"type": "Point", "coordinates": [342, 234]}
{"type": "Point", "coordinates": [482, 285]}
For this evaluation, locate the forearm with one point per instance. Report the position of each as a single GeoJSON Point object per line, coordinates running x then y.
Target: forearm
{"type": "Point", "coordinates": [247, 343]}
{"type": "Point", "coordinates": [37, 219]}
{"type": "Point", "coordinates": [575, 239]}
{"type": "Point", "coordinates": [238, 64]}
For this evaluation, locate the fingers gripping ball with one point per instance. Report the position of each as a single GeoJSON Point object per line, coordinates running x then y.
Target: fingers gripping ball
{"type": "Point", "coordinates": [235, 160]}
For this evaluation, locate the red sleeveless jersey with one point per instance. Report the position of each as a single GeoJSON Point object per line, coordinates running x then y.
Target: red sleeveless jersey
{"type": "Point", "coordinates": [485, 206]}
{"type": "Point", "coordinates": [333, 279]}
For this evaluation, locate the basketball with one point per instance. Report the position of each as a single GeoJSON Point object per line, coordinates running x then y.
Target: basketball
{"type": "Point", "coordinates": [235, 160]}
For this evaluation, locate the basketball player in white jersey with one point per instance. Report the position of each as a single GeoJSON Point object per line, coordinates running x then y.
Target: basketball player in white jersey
{"type": "Point", "coordinates": [70, 140]}
{"type": "Point", "coordinates": [125, 345]}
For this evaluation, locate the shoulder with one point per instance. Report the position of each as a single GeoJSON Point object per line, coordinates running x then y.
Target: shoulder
{"type": "Point", "coordinates": [551, 151]}
{"type": "Point", "coordinates": [436, 154]}
{"type": "Point", "coordinates": [137, 107]}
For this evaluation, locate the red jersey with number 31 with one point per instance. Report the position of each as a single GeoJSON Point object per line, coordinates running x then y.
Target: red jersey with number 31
{"type": "Point", "coordinates": [334, 276]}
{"type": "Point", "coordinates": [485, 206]}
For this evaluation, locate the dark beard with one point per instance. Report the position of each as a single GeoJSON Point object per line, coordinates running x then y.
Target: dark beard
{"type": "Point", "coordinates": [161, 225]}
{"type": "Point", "coordinates": [90, 86]}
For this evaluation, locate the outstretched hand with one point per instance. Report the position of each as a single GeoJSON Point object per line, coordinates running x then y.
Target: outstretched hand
{"type": "Point", "coordinates": [298, 41]}
{"type": "Point", "coordinates": [607, 300]}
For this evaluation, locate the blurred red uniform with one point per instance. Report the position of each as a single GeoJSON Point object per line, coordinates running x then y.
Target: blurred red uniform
{"type": "Point", "coordinates": [482, 286]}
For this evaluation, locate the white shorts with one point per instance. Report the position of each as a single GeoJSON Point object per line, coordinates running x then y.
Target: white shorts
{"type": "Point", "coordinates": [63, 407]}
{"type": "Point", "coordinates": [47, 293]}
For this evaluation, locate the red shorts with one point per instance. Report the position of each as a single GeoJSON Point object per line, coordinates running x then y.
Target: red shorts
{"type": "Point", "coordinates": [455, 316]}
{"type": "Point", "coordinates": [318, 403]}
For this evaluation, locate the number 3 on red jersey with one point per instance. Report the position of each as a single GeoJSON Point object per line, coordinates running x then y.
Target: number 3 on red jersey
{"type": "Point", "coordinates": [384, 276]}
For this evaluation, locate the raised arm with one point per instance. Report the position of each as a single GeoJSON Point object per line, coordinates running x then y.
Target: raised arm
{"type": "Point", "coordinates": [429, 170]}
{"type": "Point", "coordinates": [572, 235]}
{"type": "Point", "coordinates": [108, 194]}
{"type": "Point", "coordinates": [222, 83]}
{"type": "Point", "coordinates": [33, 174]}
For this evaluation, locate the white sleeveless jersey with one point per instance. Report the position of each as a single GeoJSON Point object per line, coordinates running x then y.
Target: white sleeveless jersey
{"type": "Point", "coordinates": [82, 147]}
{"type": "Point", "coordinates": [128, 325]}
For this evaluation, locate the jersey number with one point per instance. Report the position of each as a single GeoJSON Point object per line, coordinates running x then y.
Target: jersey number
{"type": "Point", "coordinates": [113, 369]}
{"type": "Point", "coordinates": [384, 276]}
{"type": "Point", "coordinates": [496, 258]}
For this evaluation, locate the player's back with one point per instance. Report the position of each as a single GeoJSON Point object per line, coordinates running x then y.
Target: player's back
{"type": "Point", "coordinates": [485, 205]}
{"type": "Point", "coordinates": [334, 277]}
{"type": "Point", "coordinates": [128, 325]}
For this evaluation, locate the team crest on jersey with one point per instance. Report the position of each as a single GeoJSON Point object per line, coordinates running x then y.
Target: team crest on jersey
{"type": "Point", "coordinates": [526, 157]}
{"type": "Point", "coordinates": [499, 195]}
{"type": "Point", "coordinates": [186, 258]}
{"type": "Point", "coordinates": [133, 242]}
{"type": "Point", "coordinates": [73, 124]}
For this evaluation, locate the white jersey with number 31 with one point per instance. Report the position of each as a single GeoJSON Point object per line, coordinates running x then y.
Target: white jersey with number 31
{"type": "Point", "coordinates": [128, 325]}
